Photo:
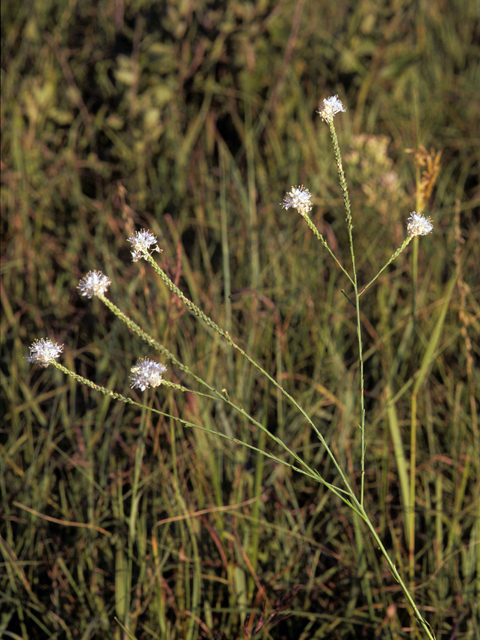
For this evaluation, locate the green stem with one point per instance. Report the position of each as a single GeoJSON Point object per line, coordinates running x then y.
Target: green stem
{"type": "Point", "coordinates": [396, 574]}
{"type": "Point", "coordinates": [413, 436]}
{"type": "Point", "coordinates": [411, 519]}
{"type": "Point", "coordinates": [348, 212]}
{"type": "Point", "coordinates": [307, 471]}
{"type": "Point", "coordinates": [319, 237]}
{"type": "Point", "coordinates": [405, 243]}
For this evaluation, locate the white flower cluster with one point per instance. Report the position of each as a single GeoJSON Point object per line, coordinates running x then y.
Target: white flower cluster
{"type": "Point", "coordinates": [44, 352]}
{"type": "Point", "coordinates": [93, 284]}
{"type": "Point", "coordinates": [142, 241]}
{"type": "Point", "coordinates": [146, 373]}
{"type": "Point", "coordinates": [330, 107]}
{"type": "Point", "coordinates": [298, 198]}
{"type": "Point", "coordinates": [418, 225]}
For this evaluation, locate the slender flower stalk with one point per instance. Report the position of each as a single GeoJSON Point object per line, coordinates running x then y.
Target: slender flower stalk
{"type": "Point", "coordinates": [300, 199]}
{"type": "Point", "coordinates": [328, 109]}
{"type": "Point", "coordinates": [417, 225]}
{"type": "Point", "coordinates": [394, 255]}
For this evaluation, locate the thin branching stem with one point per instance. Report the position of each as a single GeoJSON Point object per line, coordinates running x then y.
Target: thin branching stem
{"type": "Point", "coordinates": [217, 395]}
{"type": "Point", "coordinates": [320, 237]}
{"type": "Point", "coordinates": [389, 261]}
{"type": "Point", "coordinates": [307, 471]}
{"type": "Point", "coordinates": [224, 334]}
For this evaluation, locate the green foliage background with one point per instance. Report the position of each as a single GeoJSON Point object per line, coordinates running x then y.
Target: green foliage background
{"type": "Point", "coordinates": [192, 119]}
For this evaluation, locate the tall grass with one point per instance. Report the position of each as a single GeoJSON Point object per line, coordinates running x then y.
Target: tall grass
{"type": "Point", "coordinates": [164, 122]}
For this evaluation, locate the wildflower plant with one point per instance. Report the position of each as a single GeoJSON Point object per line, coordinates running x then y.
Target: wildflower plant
{"type": "Point", "coordinates": [149, 374]}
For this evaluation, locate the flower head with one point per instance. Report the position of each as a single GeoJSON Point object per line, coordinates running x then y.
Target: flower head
{"type": "Point", "coordinates": [93, 284]}
{"type": "Point", "coordinates": [146, 373]}
{"type": "Point", "coordinates": [44, 352]}
{"type": "Point", "coordinates": [142, 241]}
{"type": "Point", "coordinates": [418, 225]}
{"type": "Point", "coordinates": [330, 107]}
{"type": "Point", "coordinates": [298, 198]}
